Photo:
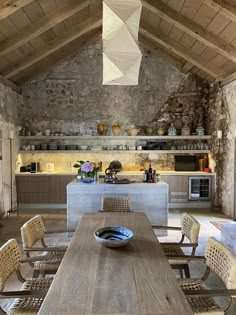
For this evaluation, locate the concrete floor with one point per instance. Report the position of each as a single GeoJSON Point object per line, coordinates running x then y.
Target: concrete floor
{"type": "Point", "coordinates": [57, 220]}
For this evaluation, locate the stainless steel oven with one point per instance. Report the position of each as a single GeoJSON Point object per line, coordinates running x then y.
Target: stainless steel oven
{"type": "Point", "coordinates": [199, 188]}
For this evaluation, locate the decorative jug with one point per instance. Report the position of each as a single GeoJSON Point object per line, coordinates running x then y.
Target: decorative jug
{"type": "Point", "coordinates": [116, 129]}
{"type": "Point", "coordinates": [172, 130]}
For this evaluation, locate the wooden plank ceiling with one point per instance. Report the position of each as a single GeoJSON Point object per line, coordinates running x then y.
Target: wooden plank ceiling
{"type": "Point", "coordinates": [196, 36]}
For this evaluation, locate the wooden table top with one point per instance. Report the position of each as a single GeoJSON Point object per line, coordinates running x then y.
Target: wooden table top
{"type": "Point", "coordinates": [132, 280]}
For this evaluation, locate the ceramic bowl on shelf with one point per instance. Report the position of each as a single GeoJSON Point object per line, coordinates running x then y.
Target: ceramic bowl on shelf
{"type": "Point", "coordinates": [132, 131]}
{"type": "Point", "coordinates": [83, 147]}
{"type": "Point", "coordinates": [113, 236]}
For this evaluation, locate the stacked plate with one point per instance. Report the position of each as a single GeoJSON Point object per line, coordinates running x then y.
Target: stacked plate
{"type": "Point", "coordinates": [52, 146]}
{"type": "Point", "coordinates": [72, 147]}
{"type": "Point", "coordinates": [96, 147]}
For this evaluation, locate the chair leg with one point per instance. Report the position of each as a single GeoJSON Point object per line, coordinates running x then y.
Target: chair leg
{"type": "Point", "coordinates": [186, 271]}
{"type": "Point", "coordinates": [181, 273]}
{"type": "Point", "coordinates": [35, 274]}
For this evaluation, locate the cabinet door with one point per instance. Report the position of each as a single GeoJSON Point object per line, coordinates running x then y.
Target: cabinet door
{"type": "Point", "coordinates": [32, 189]}
{"type": "Point", "coordinates": [57, 187]}
{"type": "Point", "coordinates": [178, 188]}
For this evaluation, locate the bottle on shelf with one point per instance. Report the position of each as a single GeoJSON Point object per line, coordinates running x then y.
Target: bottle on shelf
{"type": "Point", "coordinates": [145, 176]}
{"type": "Point", "coordinates": [154, 176]}
{"type": "Point", "coordinates": [150, 173]}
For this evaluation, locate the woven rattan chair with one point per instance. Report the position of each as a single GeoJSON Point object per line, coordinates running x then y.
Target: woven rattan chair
{"type": "Point", "coordinates": [222, 262]}
{"type": "Point", "coordinates": [32, 232]}
{"type": "Point", "coordinates": [190, 228]}
{"type": "Point", "coordinates": [30, 297]}
{"type": "Point", "coordinates": [116, 204]}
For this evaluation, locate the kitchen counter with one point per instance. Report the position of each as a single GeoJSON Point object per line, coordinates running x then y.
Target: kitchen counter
{"type": "Point", "coordinates": [122, 173]}
{"type": "Point", "coordinates": [151, 198]}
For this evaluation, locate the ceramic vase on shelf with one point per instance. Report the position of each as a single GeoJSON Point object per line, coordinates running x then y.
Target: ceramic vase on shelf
{"type": "Point", "coordinates": [102, 129]}
{"type": "Point", "coordinates": [148, 130]}
{"type": "Point", "coordinates": [172, 130]}
{"type": "Point", "coordinates": [116, 129]}
{"type": "Point", "coordinates": [185, 131]}
{"type": "Point", "coordinates": [160, 131]}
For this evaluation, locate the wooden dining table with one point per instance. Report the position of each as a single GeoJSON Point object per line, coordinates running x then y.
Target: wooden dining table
{"type": "Point", "coordinates": [135, 279]}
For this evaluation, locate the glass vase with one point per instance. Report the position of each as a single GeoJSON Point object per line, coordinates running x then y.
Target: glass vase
{"type": "Point", "coordinates": [88, 180]}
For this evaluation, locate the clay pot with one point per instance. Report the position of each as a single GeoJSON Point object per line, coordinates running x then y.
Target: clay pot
{"type": "Point", "coordinates": [160, 131]}
{"type": "Point", "coordinates": [116, 129]}
{"type": "Point", "coordinates": [148, 131]}
{"type": "Point", "coordinates": [102, 129]}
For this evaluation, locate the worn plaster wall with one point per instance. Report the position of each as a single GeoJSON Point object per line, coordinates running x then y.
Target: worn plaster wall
{"type": "Point", "coordinates": [8, 147]}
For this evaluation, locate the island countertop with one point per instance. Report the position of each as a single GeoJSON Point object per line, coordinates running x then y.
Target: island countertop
{"type": "Point", "coordinates": [122, 173]}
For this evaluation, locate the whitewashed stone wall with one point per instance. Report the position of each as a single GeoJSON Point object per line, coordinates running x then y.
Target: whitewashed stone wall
{"type": "Point", "coordinates": [228, 189]}
{"type": "Point", "coordinates": [8, 123]}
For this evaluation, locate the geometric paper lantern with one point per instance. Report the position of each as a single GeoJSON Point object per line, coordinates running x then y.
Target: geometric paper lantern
{"type": "Point", "coordinates": [121, 54]}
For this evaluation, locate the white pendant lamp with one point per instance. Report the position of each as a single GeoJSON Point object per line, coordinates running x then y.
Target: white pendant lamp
{"type": "Point", "coordinates": [121, 53]}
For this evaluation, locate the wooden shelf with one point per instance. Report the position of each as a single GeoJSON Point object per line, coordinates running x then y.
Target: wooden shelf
{"type": "Point", "coordinates": [115, 151]}
{"type": "Point", "coordinates": [206, 137]}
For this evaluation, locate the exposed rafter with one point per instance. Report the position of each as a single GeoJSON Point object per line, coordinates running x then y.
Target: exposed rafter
{"type": "Point", "coordinates": [57, 57]}
{"type": "Point", "coordinates": [79, 30]}
{"type": "Point", "coordinates": [179, 50]}
{"type": "Point", "coordinates": [191, 28]}
{"type": "Point", "coordinates": [7, 7]}
{"type": "Point", "coordinates": [42, 25]}
{"type": "Point", "coordinates": [229, 79]}
{"type": "Point", "coordinates": [10, 84]}
{"type": "Point", "coordinates": [222, 7]}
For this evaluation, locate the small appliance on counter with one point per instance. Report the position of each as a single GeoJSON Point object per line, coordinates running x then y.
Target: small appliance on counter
{"type": "Point", "coordinates": [185, 163]}
{"type": "Point", "coordinates": [34, 167]}
{"type": "Point", "coordinates": [50, 167]}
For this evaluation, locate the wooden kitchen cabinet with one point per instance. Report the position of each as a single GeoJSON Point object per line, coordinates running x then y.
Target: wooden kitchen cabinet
{"type": "Point", "coordinates": [178, 187]}
{"type": "Point", "coordinates": [37, 189]}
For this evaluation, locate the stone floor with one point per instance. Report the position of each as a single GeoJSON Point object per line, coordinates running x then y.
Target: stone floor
{"type": "Point", "coordinates": [57, 220]}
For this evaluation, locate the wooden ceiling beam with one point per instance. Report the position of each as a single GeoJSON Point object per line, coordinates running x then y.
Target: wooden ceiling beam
{"type": "Point", "coordinates": [10, 84]}
{"type": "Point", "coordinates": [7, 7]}
{"type": "Point", "coordinates": [229, 79]}
{"type": "Point", "coordinates": [42, 25]}
{"type": "Point", "coordinates": [58, 57]}
{"type": "Point", "coordinates": [81, 29]}
{"type": "Point", "coordinates": [181, 51]}
{"type": "Point", "coordinates": [163, 54]}
{"type": "Point", "coordinates": [191, 28]}
{"type": "Point", "coordinates": [223, 8]}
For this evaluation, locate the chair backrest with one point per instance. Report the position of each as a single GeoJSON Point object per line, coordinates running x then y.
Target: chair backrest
{"type": "Point", "coordinates": [116, 204]}
{"type": "Point", "coordinates": [222, 261]}
{"type": "Point", "coordinates": [32, 231]}
{"type": "Point", "coordinates": [190, 227]}
{"type": "Point", "coordinates": [10, 258]}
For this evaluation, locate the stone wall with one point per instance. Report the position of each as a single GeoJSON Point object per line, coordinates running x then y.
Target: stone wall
{"type": "Point", "coordinates": [8, 147]}
{"type": "Point", "coordinates": [228, 149]}
{"type": "Point", "coordinates": [71, 100]}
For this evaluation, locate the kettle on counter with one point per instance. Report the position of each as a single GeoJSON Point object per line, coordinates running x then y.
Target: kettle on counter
{"type": "Point", "coordinates": [110, 175]}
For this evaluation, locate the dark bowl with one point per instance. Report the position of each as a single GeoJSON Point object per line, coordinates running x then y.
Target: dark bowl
{"type": "Point", "coordinates": [113, 236]}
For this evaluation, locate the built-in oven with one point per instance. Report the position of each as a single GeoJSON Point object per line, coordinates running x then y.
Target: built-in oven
{"type": "Point", "coordinates": [199, 188]}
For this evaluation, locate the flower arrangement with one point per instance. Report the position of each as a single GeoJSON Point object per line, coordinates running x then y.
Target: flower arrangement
{"type": "Point", "coordinates": [87, 169]}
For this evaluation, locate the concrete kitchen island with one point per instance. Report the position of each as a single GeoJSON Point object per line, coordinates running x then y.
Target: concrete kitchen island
{"type": "Point", "coordinates": [151, 198]}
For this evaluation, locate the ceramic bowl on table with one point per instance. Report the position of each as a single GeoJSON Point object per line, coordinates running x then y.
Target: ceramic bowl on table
{"type": "Point", "coordinates": [113, 236]}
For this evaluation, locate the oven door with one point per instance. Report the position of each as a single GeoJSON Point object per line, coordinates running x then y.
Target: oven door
{"type": "Point", "coordinates": [199, 188]}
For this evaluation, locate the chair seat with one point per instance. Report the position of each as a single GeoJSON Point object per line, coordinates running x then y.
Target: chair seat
{"type": "Point", "coordinates": [204, 306]}
{"type": "Point", "coordinates": [30, 306]}
{"type": "Point", "coordinates": [51, 264]}
{"type": "Point", "coordinates": [59, 247]}
{"type": "Point", "coordinates": [174, 251]}
{"type": "Point", "coordinates": [200, 305]}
